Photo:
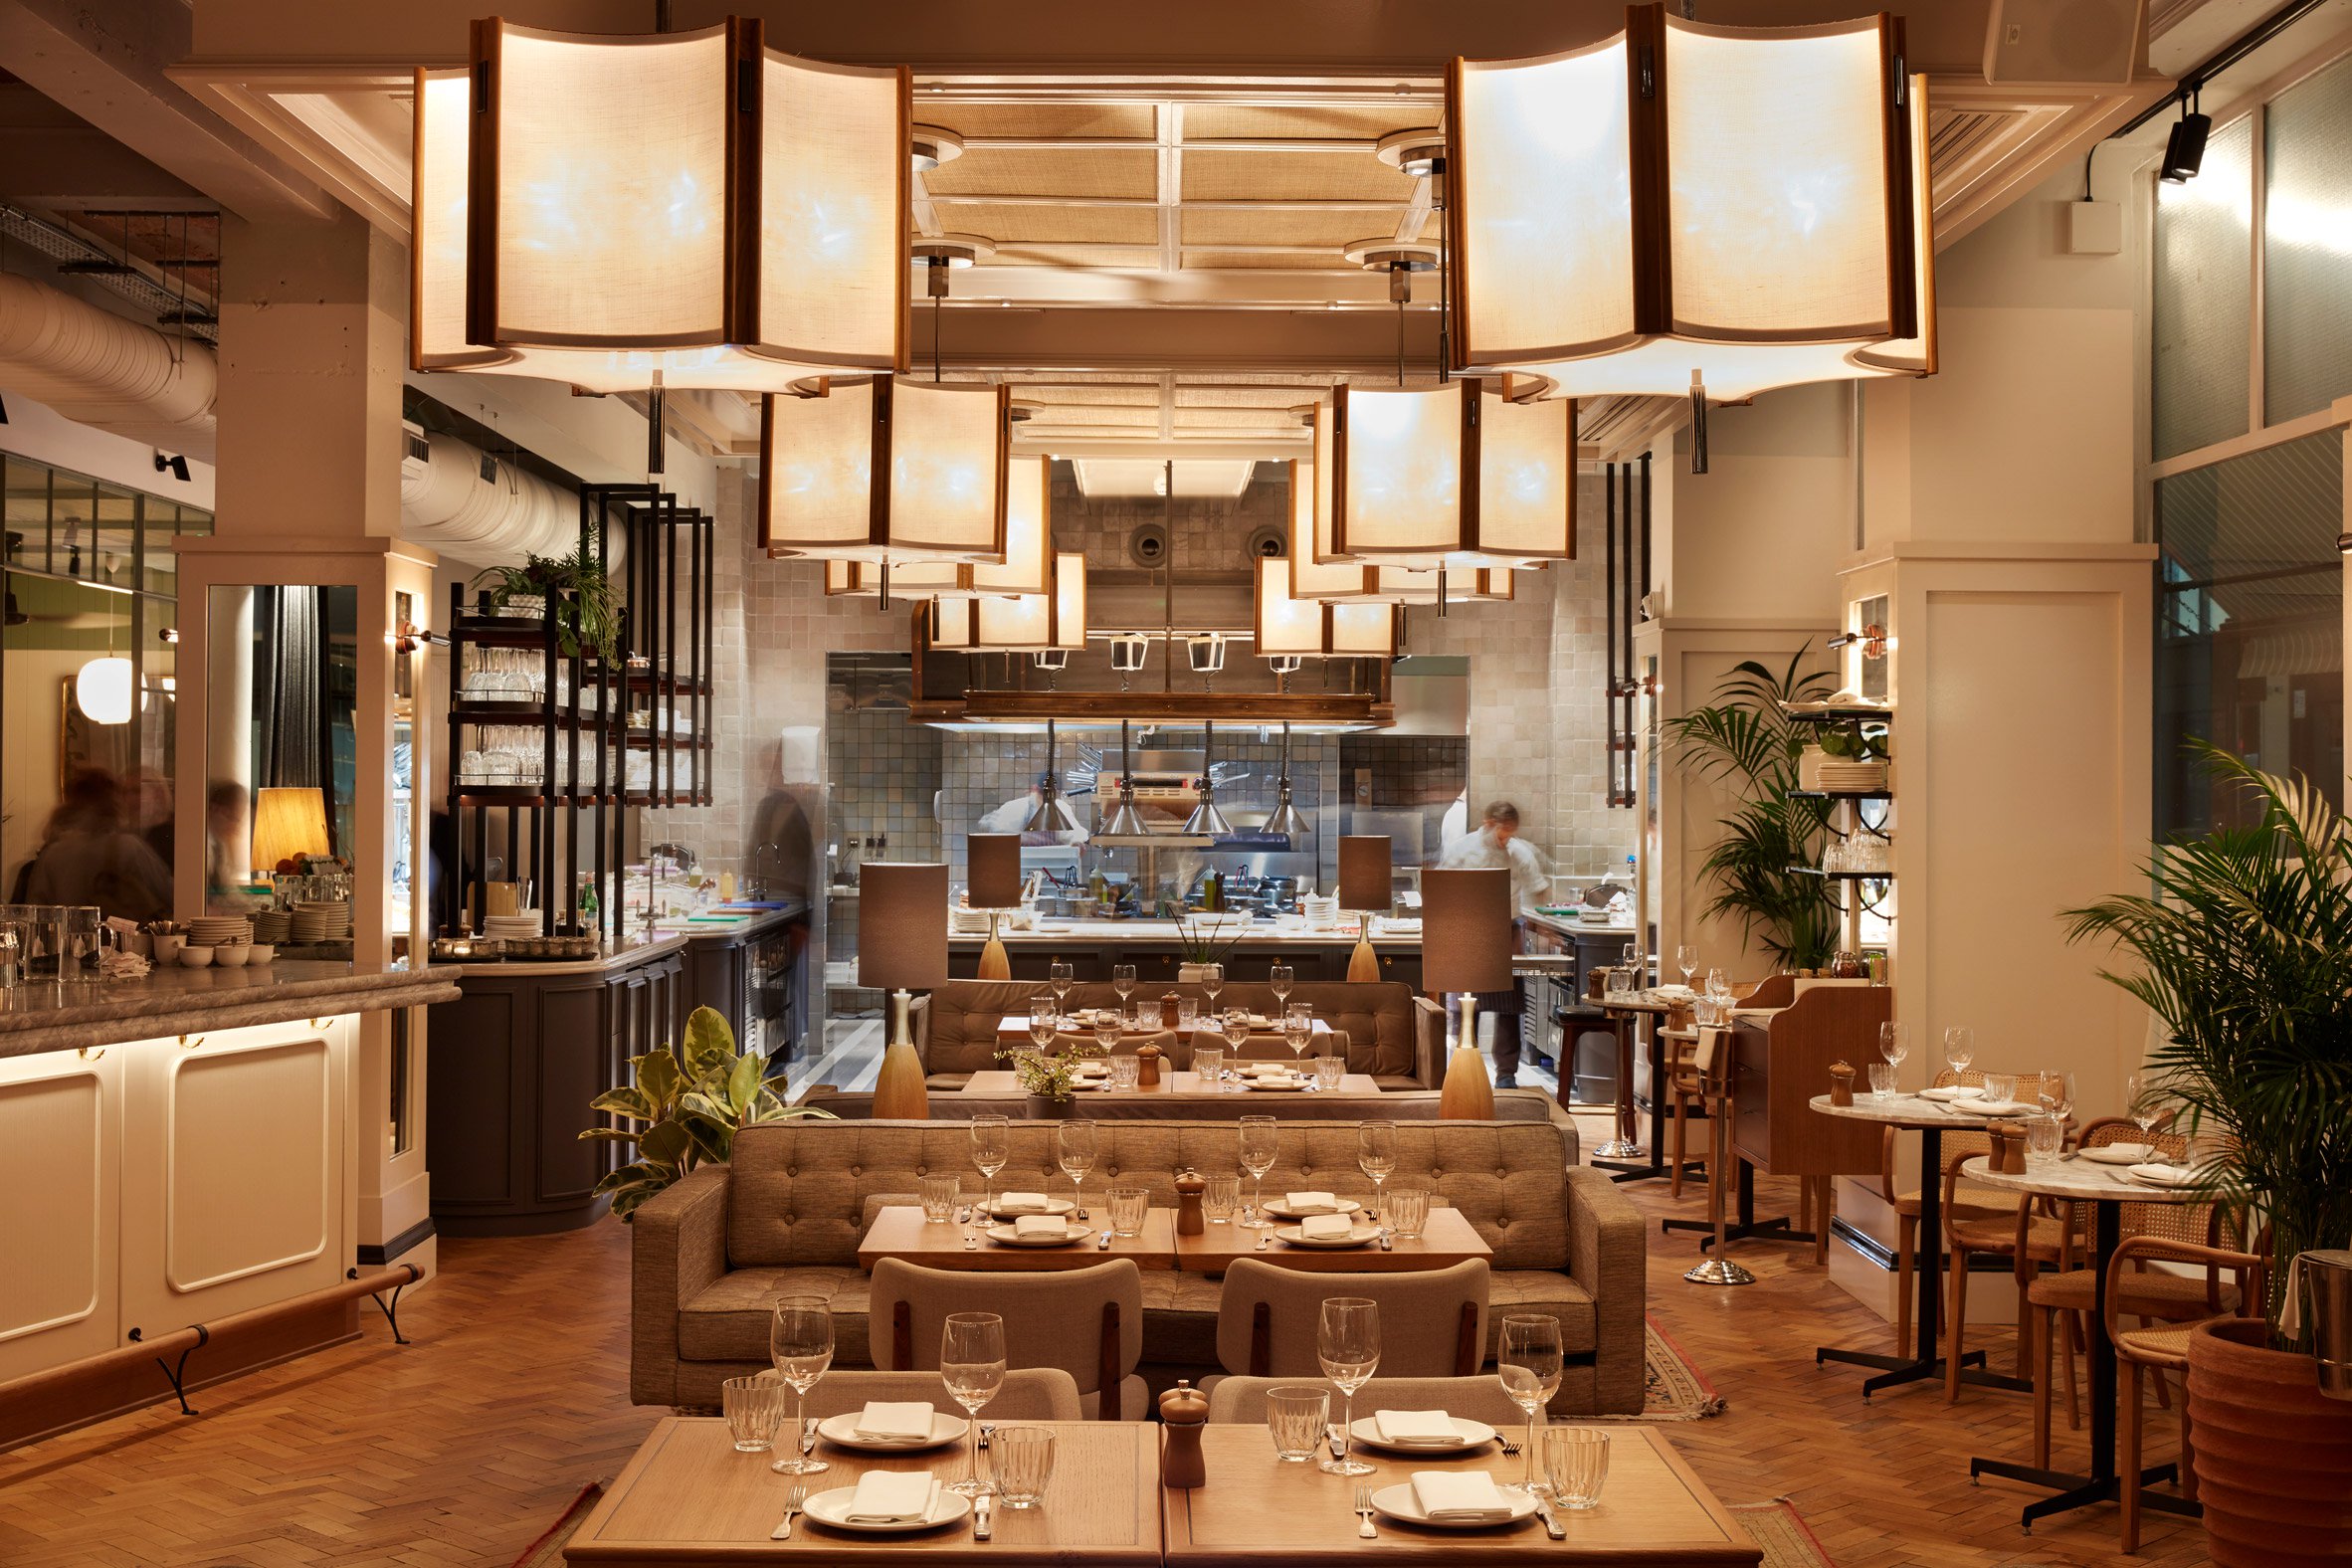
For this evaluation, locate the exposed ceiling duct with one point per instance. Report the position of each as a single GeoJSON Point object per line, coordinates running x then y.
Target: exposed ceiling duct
{"type": "Point", "coordinates": [106, 372]}
{"type": "Point", "coordinates": [462, 501]}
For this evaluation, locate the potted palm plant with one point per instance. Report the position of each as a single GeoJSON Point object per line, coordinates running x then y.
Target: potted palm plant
{"type": "Point", "coordinates": [2243, 951]}
{"type": "Point", "coordinates": [587, 607]}
{"type": "Point", "coordinates": [1745, 742]}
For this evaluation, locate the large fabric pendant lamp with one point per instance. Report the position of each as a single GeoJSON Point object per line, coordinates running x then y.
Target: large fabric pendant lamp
{"type": "Point", "coordinates": [1286, 627]}
{"type": "Point", "coordinates": [1054, 622]}
{"type": "Point", "coordinates": [1687, 209]}
{"type": "Point", "coordinates": [634, 212]}
{"type": "Point", "coordinates": [995, 886]}
{"type": "Point", "coordinates": [1028, 555]}
{"type": "Point", "coordinates": [902, 948]}
{"type": "Point", "coordinates": [1413, 484]}
{"type": "Point", "coordinates": [1465, 947]}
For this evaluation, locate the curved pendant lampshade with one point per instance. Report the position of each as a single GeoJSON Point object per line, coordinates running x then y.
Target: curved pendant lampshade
{"type": "Point", "coordinates": [1284, 626]}
{"type": "Point", "coordinates": [685, 209]}
{"type": "Point", "coordinates": [1348, 582]}
{"type": "Point", "coordinates": [1028, 624]}
{"type": "Point", "coordinates": [1028, 555]}
{"type": "Point", "coordinates": [888, 471]}
{"type": "Point", "coordinates": [1742, 203]}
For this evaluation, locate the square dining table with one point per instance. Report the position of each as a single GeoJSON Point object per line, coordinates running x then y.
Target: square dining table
{"type": "Point", "coordinates": [900, 1230]}
{"type": "Point", "coordinates": [687, 1499]}
{"type": "Point", "coordinates": [1259, 1512]}
{"type": "Point", "coordinates": [1448, 1239]}
{"type": "Point", "coordinates": [1266, 1037]}
{"type": "Point", "coordinates": [1001, 1083]}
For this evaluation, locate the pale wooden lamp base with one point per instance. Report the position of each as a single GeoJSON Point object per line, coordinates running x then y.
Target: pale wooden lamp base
{"type": "Point", "coordinates": [1467, 1094]}
{"type": "Point", "coordinates": [1363, 966]}
{"type": "Point", "coordinates": [994, 965]}
{"type": "Point", "coordinates": [899, 1092]}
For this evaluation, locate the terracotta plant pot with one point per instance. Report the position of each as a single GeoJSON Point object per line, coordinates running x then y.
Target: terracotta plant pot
{"type": "Point", "coordinates": [2274, 1455]}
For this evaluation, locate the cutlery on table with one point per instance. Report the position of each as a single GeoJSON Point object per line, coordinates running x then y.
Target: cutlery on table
{"type": "Point", "coordinates": [983, 1517]}
{"type": "Point", "coordinates": [1104, 1246]}
{"type": "Point", "coordinates": [792, 1502]}
{"type": "Point", "coordinates": [1510, 1449]}
{"type": "Point", "coordinates": [987, 1431]}
{"type": "Point", "coordinates": [1265, 1240]}
{"type": "Point", "coordinates": [1551, 1520]}
{"type": "Point", "coordinates": [1386, 1236]}
{"type": "Point", "coordinates": [1364, 1514]}
{"type": "Point", "coordinates": [808, 1437]}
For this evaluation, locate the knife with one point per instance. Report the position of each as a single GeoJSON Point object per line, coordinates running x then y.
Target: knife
{"type": "Point", "coordinates": [1551, 1521]}
{"type": "Point", "coordinates": [983, 1526]}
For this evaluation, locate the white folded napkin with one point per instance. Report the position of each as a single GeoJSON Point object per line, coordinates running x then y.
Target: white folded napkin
{"type": "Point", "coordinates": [1433, 1427]}
{"type": "Point", "coordinates": [1023, 1203]}
{"type": "Point", "coordinates": [1316, 1226]}
{"type": "Point", "coordinates": [1464, 1497]}
{"type": "Point", "coordinates": [895, 1421]}
{"type": "Point", "coordinates": [1030, 1225]}
{"type": "Point", "coordinates": [1311, 1203]}
{"type": "Point", "coordinates": [893, 1497]}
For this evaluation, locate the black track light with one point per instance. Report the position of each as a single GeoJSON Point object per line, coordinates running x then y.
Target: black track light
{"type": "Point", "coordinates": [2184, 150]}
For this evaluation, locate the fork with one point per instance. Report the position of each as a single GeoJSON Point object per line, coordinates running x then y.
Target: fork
{"type": "Point", "coordinates": [1364, 1514]}
{"type": "Point", "coordinates": [792, 1502]}
{"type": "Point", "coordinates": [1510, 1449]}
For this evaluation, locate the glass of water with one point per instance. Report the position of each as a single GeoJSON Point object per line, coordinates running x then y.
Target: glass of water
{"type": "Point", "coordinates": [1208, 1063]}
{"type": "Point", "coordinates": [1220, 1196]}
{"type": "Point", "coordinates": [1125, 1072]}
{"type": "Point", "coordinates": [1575, 1463]}
{"type": "Point", "coordinates": [940, 1194]}
{"type": "Point", "coordinates": [1296, 1415]}
{"type": "Point", "coordinates": [1331, 1072]}
{"type": "Point", "coordinates": [1023, 1463]}
{"type": "Point", "coordinates": [753, 1406]}
{"type": "Point", "coordinates": [1407, 1210]}
{"type": "Point", "coordinates": [1881, 1079]}
{"type": "Point", "coordinates": [1128, 1205]}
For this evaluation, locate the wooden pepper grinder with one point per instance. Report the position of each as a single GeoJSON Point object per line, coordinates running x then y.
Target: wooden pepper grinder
{"type": "Point", "coordinates": [1147, 1066]}
{"type": "Point", "coordinates": [1189, 1188]}
{"type": "Point", "coordinates": [1841, 1083]}
{"type": "Point", "coordinates": [1168, 1009]}
{"type": "Point", "coordinates": [1183, 1411]}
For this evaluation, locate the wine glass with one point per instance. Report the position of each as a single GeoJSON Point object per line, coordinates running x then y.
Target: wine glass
{"type": "Point", "coordinates": [1040, 1032]}
{"type": "Point", "coordinates": [1687, 960]}
{"type": "Point", "coordinates": [1527, 1359]}
{"type": "Point", "coordinates": [1278, 980]}
{"type": "Point", "coordinates": [1348, 1340]}
{"type": "Point", "coordinates": [1376, 1154]}
{"type": "Point", "coordinates": [1235, 1026]}
{"type": "Point", "coordinates": [1123, 980]}
{"type": "Point", "coordinates": [2139, 1098]}
{"type": "Point", "coordinates": [1894, 1042]}
{"type": "Point", "coordinates": [1959, 1049]}
{"type": "Point", "coordinates": [1299, 1027]}
{"type": "Point", "coordinates": [972, 1365]}
{"type": "Point", "coordinates": [1212, 982]}
{"type": "Point", "coordinates": [1718, 985]}
{"type": "Point", "coordinates": [1074, 1147]}
{"type": "Point", "coordinates": [2056, 1093]}
{"type": "Point", "coordinates": [800, 1342]}
{"type": "Point", "coordinates": [1060, 976]}
{"type": "Point", "coordinates": [992, 1145]}
{"type": "Point", "coordinates": [1259, 1147]}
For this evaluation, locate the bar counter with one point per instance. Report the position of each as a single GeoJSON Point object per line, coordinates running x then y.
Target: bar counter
{"type": "Point", "coordinates": [1156, 949]}
{"type": "Point", "coordinates": [173, 1001]}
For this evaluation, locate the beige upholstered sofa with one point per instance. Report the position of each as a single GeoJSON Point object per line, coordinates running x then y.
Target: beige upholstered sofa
{"type": "Point", "coordinates": [709, 1254]}
{"type": "Point", "coordinates": [1391, 1035]}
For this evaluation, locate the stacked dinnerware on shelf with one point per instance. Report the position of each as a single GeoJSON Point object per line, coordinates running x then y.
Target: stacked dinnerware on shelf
{"type": "Point", "coordinates": [321, 920]}
{"type": "Point", "coordinates": [272, 926]}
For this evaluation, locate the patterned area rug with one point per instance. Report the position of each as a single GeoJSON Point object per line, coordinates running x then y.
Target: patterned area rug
{"type": "Point", "coordinates": [547, 1550]}
{"type": "Point", "coordinates": [1782, 1532]}
{"type": "Point", "coordinates": [1676, 1390]}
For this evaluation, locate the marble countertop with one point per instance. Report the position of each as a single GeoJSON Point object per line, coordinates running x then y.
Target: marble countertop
{"type": "Point", "coordinates": [1571, 927]}
{"type": "Point", "coordinates": [2078, 1178]}
{"type": "Point", "coordinates": [1141, 933]}
{"type": "Point", "coordinates": [1899, 1110]}
{"type": "Point", "coordinates": [47, 1017]}
{"type": "Point", "coordinates": [673, 938]}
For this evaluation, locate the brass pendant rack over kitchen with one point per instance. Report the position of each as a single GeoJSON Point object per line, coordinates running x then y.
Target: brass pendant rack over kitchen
{"type": "Point", "coordinates": [592, 715]}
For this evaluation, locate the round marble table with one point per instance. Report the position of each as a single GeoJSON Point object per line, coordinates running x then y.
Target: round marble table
{"type": "Point", "coordinates": [2072, 1178]}
{"type": "Point", "coordinates": [1930, 1120]}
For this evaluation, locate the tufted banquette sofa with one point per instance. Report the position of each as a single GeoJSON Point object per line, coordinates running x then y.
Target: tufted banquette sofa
{"type": "Point", "coordinates": [710, 1254]}
{"type": "Point", "coordinates": [1391, 1035]}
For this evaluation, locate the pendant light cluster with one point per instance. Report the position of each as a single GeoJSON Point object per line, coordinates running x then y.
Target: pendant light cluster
{"type": "Point", "coordinates": [629, 213]}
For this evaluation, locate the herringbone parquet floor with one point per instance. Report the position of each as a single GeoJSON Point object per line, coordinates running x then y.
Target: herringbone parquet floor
{"type": "Point", "coordinates": [463, 1447]}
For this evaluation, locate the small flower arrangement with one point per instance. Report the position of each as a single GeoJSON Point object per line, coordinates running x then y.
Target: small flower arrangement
{"type": "Point", "coordinates": [1048, 1074]}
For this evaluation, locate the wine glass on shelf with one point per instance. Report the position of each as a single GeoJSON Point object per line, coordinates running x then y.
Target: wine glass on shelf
{"type": "Point", "coordinates": [992, 1145]}
{"type": "Point", "coordinates": [1347, 1341]}
{"type": "Point", "coordinates": [972, 1365]}
{"type": "Point", "coordinates": [800, 1342]}
{"type": "Point", "coordinates": [1376, 1155]}
{"type": "Point", "coordinates": [1278, 980]}
{"type": "Point", "coordinates": [1687, 960]}
{"type": "Point", "coordinates": [1123, 980]}
{"type": "Point", "coordinates": [1074, 1147]}
{"type": "Point", "coordinates": [1060, 976]}
{"type": "Point", "coordinates": [1259, 1144]}
{"type": "Point", "coordinates": [1527, 1359]}
{"type": "Point", "coordinates": [1959, 1049]}
{"type": "Point", "coordinates": [1212, 982]}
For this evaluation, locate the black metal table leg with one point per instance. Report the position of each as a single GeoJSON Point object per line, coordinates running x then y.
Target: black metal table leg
{"type": "Point", "coordinates": [1776, 1229]}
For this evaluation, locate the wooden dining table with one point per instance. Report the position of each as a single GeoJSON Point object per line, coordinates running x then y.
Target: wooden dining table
{"type": "Point", "coordinates": [900, 1231]}
{"type": "Point", "coordinates": [1446, 1239]}
{"type": "Point", "coordinates": [1003, 1083]}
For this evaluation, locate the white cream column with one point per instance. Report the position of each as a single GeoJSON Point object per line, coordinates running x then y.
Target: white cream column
{"type": "Point", "coordinates": [312, 353]}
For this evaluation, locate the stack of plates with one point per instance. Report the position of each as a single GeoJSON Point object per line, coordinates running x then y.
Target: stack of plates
{"type": "Point", "coordinates": [272, 926]}
{"type": "Point", "coordinates": [321, 920]}
{"type": "Point", "coordinates": [505, 927]}
{"type": "Point", "coordinates": [219, 931]}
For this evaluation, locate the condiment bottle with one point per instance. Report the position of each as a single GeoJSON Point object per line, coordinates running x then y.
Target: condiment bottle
{"type": "Point", "coordinates": [1189, 1188]}
{"type": "Point", "coordinates": [1183, 1411]}
{"type": "Point", "coordinates": [1147, 1066]}
{"type": "Point", "coordinates": [1841, 1083]}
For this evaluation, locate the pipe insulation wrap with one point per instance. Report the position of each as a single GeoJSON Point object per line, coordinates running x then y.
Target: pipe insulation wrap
{"type": "Point", "coordinates": [100, 369]}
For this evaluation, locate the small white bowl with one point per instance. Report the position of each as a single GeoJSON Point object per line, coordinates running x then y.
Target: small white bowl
{"type": "Point", "coordinates": [195, 957]}
{"type": "Point", "coordinates": [260, 952]}
{"type": "Point", "coordinates": [232, 955]}
{"type": "Point", "coordinates": [168, 945]}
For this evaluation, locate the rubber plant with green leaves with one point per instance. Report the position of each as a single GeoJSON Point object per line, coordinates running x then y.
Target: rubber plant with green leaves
{"type": "Point", "coordinates": [1745, 742]}
{"type": "Point", "coordinates": [684, 1108]}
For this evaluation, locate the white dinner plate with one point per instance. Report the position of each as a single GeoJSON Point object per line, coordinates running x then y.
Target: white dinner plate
{"type": "Point", "coordinates": [1947, 1094]}
{"type": "Point", "coordinates": [1012, 1238]}
{"type": "Point", "coordinates": [829, 1508]}
{"type": "Point", "coordinates": [2120, 1153]}
{"type": "Point", "coordinates": [1397, 1502]}
{"type": "Point", "coordinates": [1364, 1431]}
{"type": "Point", "coordinates": [1053, 1206]}
{"type": "Point", "coordinates": [2164, 1175]}
{"type": "Point", "coordinates": [1360, 1236]}
{"type": "Point", "coordinates": [1979, 1107]}
{"type": "Point", "coordinates": [1280, 1086]}
{"type": "Point", "coordinates": [1282, 1207]}
{"type": "Point", "coordinates": [842, 1432]}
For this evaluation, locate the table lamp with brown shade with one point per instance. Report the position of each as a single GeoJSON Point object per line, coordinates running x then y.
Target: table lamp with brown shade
{"type": "Point", "coordinates": [994, 861]}
{"type": "Point", "coordinates": [1366, 884]}
{"type": "Point", "coordinates": [288, 823]}
{"type": "Point", "coordinates": [1465, 947]}
{"type": "Point", "coordinates": [902, 947]}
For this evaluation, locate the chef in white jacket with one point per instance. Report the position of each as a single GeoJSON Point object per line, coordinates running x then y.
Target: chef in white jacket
{"type": "Point", "coordinates": [1497, 846]}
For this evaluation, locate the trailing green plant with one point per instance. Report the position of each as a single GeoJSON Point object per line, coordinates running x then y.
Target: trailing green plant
{"type": "Point", "coordinates": [1052, 1074]}
{"type": "Point", "coordinates": [1747, 742]}
{"type": "Point", "coordinates": [685, 1108]}
{"type": "Point", "coordinates": [2245, 950]}
{"type": "Point", "coordinates": [579, 594]}
{"type": "Point", "coordinates": [1205, 941]}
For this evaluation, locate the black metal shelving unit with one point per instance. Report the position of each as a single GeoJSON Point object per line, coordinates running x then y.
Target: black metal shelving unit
{"type": "Point", "coordinates": [661, 659]}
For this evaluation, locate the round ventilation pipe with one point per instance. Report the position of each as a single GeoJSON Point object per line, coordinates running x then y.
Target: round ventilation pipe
{"type": "Point", "coordinates": [483, 509]}
{"type": "Point", "coordinates": [106, 371]}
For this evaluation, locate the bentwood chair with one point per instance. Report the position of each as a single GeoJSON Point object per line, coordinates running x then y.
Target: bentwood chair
{"type": "Point", "coordinates": [1031, 1394]}
{"type": "Point", "coordinates": [2161, 1348]}
{"type": "Point", "coordinates": [1236, 1399]}
{"type": "Point", "coordinates": [1974, 1202]}
{"type": "Point", "coordinates": [1087, 1321]}
{"type": "Point", "coordinates": [2159, 1296]}
{"type": "Point", "coordinates": [1432, 1323]}
{"type": "Point", "coordinates": [2031, 1232]}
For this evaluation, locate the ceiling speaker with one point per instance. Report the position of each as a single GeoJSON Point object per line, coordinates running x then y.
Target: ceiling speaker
{"type": "Point", "coordinates": [1147, 545]}
{"type": "Point", "coordinates": [2086, 42]}
{"type": "Point", "coordinates": [1266, 541]}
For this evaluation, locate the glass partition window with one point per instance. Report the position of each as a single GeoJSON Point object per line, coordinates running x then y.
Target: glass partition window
{"type": "Point", "coordinates": [2307, 245]}
{"type": "Point", "coordinates": [2204, 292]}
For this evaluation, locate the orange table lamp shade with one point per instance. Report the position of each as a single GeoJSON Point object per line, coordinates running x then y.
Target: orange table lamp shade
{"type": "Point", "coordinates": [289, 822]}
